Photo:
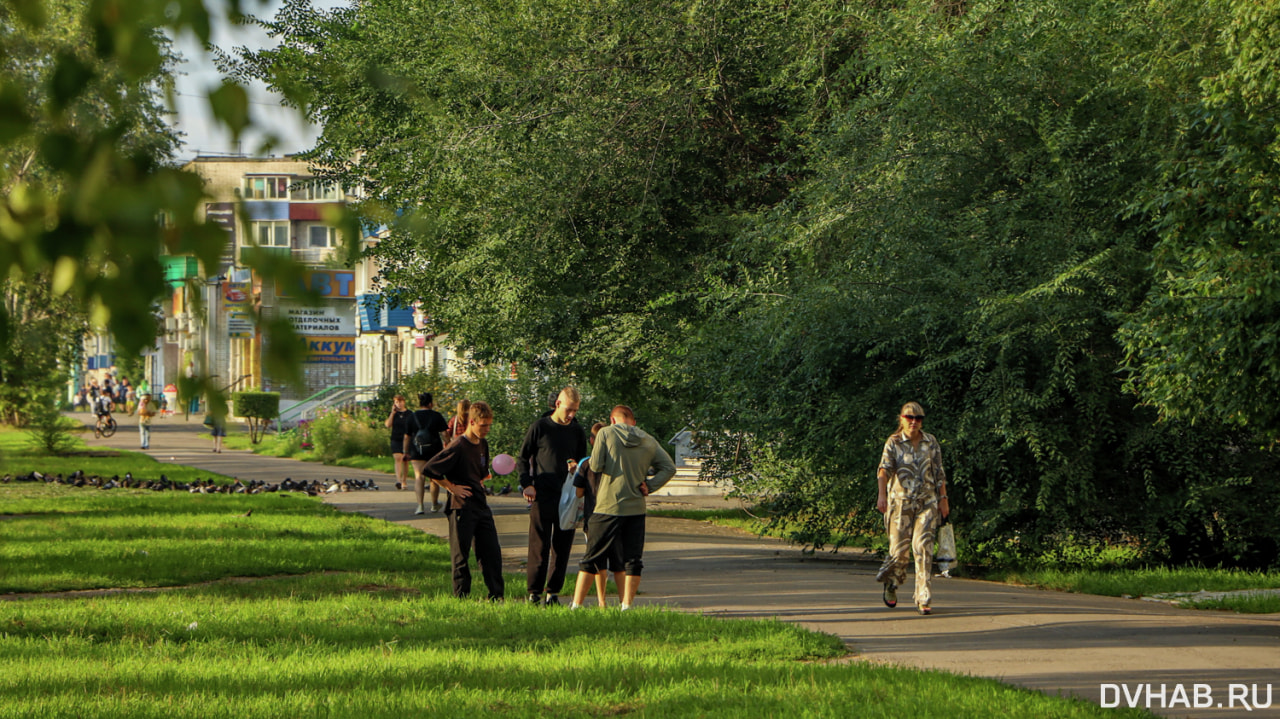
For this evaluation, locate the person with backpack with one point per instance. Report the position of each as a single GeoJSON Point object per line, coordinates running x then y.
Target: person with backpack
{"type": "Point", "coordinates": [422, 441]}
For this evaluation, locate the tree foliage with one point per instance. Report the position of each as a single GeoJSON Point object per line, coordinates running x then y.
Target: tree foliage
{"type": "Point", "coordinates": [562, 182]}
{"type": "Point", "coordinates": [91, 196]}
{"type": "Point", "coordinates": [40, 351]}
{"type": "Point", "coordinates": [1205, 344]}
{"type": "Point", "coordinates": [786, 221]}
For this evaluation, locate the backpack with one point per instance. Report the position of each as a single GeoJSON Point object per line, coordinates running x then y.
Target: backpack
{"type": "Point", "coordinates": [426, 441]}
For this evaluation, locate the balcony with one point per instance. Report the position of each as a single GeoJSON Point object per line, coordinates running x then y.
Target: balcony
{"type": "Point", "coordinates": [313, 255]}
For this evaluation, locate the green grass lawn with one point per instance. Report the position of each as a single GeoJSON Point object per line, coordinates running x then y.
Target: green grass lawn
{"type": "Point", "coordinates": [17, 456]}
{"type": "Point", "coordinates": [299, 610]}
{"type": "Point", "coordinates": [1157, 580]}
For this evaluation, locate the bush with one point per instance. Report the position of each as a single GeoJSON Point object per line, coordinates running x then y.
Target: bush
{"type": "Point", "coordinates": [49, 430]}
{"type": "Point", "coordinates": [337, 435]}
{"type": "Point", "coordinates": [259, 408]}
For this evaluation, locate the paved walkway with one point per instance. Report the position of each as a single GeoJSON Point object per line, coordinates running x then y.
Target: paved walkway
{"type": "Point", "coordinates": [1050, 641]}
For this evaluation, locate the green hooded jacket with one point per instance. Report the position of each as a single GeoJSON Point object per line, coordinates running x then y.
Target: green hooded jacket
{"type": "Point", "coordinates": [623, 455]}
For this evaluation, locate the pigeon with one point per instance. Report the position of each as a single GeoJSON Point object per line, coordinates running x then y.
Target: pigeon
{"type": "Point", "coordinates": [246, 514]}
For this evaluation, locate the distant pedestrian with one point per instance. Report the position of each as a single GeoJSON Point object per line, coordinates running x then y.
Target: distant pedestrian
{"type": "Point", "coordinates": [912, 494]}
{"type": "Point", "coordinates": [146, 412]}
{"type": "Point", "coordinates": [623, 455]}
{"type": "Point", "coordinates": [217, 428]}
{"type": "Point", "coordinates": [462, 468]}
{"type": "Point", "coordinates": [551, 450]}
{"type": "Point", "coordinates": [458, 422]}
{"type": "Point", "coordinates": [398, 423]}
{"type": "Point", "coordinates": [421, 442]}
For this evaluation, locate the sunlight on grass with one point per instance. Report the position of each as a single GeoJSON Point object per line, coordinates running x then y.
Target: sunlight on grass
{"type": "Point", "coordinates": [308, 611]}
{"type": "Point", "coordinates": [1151, 581]}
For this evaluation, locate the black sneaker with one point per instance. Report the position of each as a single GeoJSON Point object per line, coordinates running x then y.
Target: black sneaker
{"type": "Point", "coordinates": [890, 595]}
{"type": "Point", "coordinates": [551, 600]}
{"type": "Point", "coordinates": [535, 599]}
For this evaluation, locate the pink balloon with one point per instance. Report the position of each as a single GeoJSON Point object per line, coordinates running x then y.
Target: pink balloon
{"type": "Point", "coordinates": [503, 464]}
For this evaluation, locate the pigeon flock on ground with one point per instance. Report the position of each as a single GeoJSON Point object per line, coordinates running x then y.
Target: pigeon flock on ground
{"type": "Point", "coordinates": [201, 486]}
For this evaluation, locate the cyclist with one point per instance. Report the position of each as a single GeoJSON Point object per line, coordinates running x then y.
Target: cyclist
{"type": "Point", "coordinates": [102, 407]}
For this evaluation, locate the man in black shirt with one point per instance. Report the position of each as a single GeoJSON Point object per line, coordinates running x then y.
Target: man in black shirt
{"type": "Point", "coordinates": [461, 468]}
{"type": "Point", "coordinates": [552, 447]}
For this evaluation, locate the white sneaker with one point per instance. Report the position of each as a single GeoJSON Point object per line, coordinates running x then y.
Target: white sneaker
{"type": "Point", "coordinates": [624, 607]}
{"type": "Point", "coordinates": [419, 510]}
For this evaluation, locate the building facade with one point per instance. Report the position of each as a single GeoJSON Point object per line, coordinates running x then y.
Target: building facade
{"type": "Point", "coordinates": [353, 338]}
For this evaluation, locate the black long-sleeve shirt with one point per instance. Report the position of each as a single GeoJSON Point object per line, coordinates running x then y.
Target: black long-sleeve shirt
{"type": "Point", "coordinates": [544, 456]}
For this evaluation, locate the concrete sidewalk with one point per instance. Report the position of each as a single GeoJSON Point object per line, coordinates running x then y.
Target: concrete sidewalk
{"type": "Point", "coordinates": [1049, 641]}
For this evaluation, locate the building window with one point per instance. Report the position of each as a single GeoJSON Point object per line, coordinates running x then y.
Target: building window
{"type": "Point", "coordinates": [257, 187]}
{"type": "Point", "coordinates": [317, 190]}
{"type": "Point", "coordinates": [320, 237]}
{"type": "Point", "coordinates": [269, 234]}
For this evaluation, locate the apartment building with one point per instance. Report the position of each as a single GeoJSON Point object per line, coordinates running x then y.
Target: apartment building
{"type": "Point", "coordinates": [353, 338]}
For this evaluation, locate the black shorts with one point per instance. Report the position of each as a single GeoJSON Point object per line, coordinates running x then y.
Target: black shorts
{"type": "Point", "coordinates": [415, 455]}
{"type": "Point", "coordinates": [610, 538]}
{"type": "Point", "coordinates": [397, 447]}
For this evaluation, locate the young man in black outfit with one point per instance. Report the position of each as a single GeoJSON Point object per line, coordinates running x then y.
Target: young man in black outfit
{"type": "Point", "coordinates": [552, 447]}
{"type": "Point", "coordinates": [461, 468]}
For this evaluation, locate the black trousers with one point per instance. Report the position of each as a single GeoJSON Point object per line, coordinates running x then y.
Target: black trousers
{"type": "Point", "coordinates": [549, 548]}
{"type": "Point", "coordinates": [612, 539]}
{"type": "Point", "coordinates": [468, 526]}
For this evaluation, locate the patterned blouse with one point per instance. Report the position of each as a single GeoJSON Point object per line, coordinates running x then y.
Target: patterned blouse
{"type": "Point", "coordinates": [914, 474]}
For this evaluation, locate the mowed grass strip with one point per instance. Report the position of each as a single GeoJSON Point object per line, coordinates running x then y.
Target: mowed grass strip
{"type": "Point", "coordinates": [368, 629]}
{"type": "Point", "coordinates": [19, 457]}
{"type": "Point", "coordinates": [59, 538]}
{"type": "Point", "coordinates": [1150, 581]}
{"type": "Point", "coordinates": [362, 644]}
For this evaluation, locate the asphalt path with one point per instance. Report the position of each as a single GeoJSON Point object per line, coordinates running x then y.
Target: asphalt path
{"type": "Point", "coordinates": [1105, 650]}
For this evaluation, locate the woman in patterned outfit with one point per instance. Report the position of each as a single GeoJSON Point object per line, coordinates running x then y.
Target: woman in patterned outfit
{"type": "Point", "coordinates": [913, 492]}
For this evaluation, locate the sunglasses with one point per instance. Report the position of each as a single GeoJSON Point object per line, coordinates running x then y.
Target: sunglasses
{"type": "Point", "coordinates": [916, 417]}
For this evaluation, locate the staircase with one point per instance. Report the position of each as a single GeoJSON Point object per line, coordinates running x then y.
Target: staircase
{"type": "Point", "coordinates": [687, 484]}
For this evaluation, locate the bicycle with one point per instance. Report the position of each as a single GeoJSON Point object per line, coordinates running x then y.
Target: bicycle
{"type": "Point", "coordinates": [105, 427]}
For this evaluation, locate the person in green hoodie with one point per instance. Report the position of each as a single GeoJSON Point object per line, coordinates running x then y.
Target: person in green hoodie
{"type": "Point", "coordinates": [623, 455]}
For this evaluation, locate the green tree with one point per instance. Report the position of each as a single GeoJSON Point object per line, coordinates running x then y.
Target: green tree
{"type": "Point", "coordinates": [41, 350]}
{"type": "Point", "coordinates": [964, 240]}
{"type": "Point", "coordinates": [1205, 344]}
{"type": "Point", "coordinates": [561, 182]}
{"type": "Point", "coordinates": [787, 220]}
{"type": "Point", "coordinates": [91, 198]}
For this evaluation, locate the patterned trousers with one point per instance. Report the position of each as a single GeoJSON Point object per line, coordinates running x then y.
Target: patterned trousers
{"type": "Point", "coordinates": [910, 525]}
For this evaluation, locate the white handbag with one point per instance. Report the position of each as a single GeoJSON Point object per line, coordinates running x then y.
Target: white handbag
{"type": "Point", "coordinates": [945, 555]}
{"type": "Point", "coordinates": [570, 503]}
